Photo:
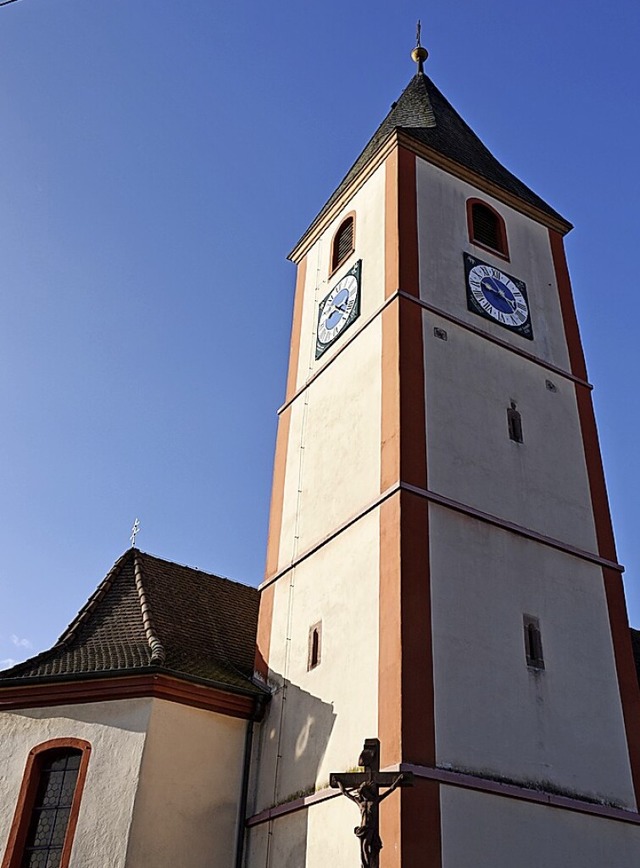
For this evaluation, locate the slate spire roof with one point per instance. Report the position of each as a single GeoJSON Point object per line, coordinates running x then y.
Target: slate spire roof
{"type": "Point", "coordinates": [426, 116]}
{"type": "Point", "coordinates": [148, 615]}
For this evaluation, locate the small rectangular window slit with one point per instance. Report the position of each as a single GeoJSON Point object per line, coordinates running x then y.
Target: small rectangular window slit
{"type": "Point", "coordinates": [533, 642]}
{"type": "Point", "coordinates": [315, 646]}
{"type": "Point", "coordinates": [514, 423]}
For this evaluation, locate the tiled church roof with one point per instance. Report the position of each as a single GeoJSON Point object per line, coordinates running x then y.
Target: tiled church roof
{"type": "Point", "coordinates": [424, 114]}
{"type": "Point", "coordinates": [150, 613]}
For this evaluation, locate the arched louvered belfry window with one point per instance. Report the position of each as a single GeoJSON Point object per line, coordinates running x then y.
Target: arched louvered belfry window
{"type": "Point", "coordinates": [45, 819]}
{"type": "Point", "coordinates": [343, 242]}
{"type": "Point", "coordinates": [487, 228]}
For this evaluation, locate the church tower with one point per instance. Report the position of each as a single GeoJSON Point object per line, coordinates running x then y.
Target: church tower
{"type": "Point", "coordinates": [441, 571]}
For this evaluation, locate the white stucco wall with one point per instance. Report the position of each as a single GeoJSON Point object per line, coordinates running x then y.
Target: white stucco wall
{"type": "Point", "coordinates": [494, 714]}
{"type": "Point", "coordinates": [333, 451]}
{"type": "Point", "coordinates": [331, 709]}
{"type": "Point", "coordinates": [116, 731]}
{"type": "Point", "coordinates": [368, 205]}
{"type": "Point", "coordinates": [443, 236]}
{"type": "Point", "coordinates": [332, 473]}
{"type": "Point", "coordinates": [311, 838]}
{"type": "Point", "coordinates": [504, 833]}
{"type": "Point", "coordinates": [186, 806]}
{"type": "Point", "coordinates": [333, 459]}
{"type": "Point", "coordinates": [541, 483]}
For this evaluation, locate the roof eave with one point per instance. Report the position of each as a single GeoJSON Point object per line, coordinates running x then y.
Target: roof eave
{"type": "Point", "coordinates": [152, 682]}
{"type": "Point", "coordinates": [398, 137]}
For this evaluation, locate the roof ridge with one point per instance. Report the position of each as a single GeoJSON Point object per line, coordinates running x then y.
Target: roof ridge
{"type": "Point", "coordinates": [69, 633]}
{"type": "Point", "coordinates": [200, 570]}
{"type": "Point", "coordinates": [158, 654]}
{"type": "Point", "coordinates": [92, 602]}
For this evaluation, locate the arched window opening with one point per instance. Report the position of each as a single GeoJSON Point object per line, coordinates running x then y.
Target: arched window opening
{"type": "Point", "coordinates": [486, 227]}
{"type": "Point", "coordinates": [46, 814]}
{"type": "Point", "coordinates": [343, 242]}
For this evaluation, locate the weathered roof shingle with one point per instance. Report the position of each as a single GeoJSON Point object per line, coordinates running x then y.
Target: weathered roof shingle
{"type": "Point", "coordinates": [151, 613]}
{"type": "Point", "coordinates": [423, 113]}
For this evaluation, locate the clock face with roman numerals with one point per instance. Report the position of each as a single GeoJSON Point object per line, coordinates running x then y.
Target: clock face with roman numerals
{"type": "Point", "coordinates": [497, 296]}
{"type": "Point", "coordinates": [338, 309]}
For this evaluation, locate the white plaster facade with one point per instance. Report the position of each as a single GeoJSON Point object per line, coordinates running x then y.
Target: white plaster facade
{"type": "Point", "coordinates": [504, 833]}
{"type": "Point", "coordinates": [162, 786]}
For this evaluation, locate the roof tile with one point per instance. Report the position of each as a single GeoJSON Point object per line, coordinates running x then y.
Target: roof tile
{"type": "Point", "coordinates": [427, 116]}
{"type": "Point", "coordinates": [149, 612]}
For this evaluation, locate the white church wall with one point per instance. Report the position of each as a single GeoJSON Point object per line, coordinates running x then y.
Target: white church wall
{"type": "Point", "coordinates": [333, 452]}
{"type": "Point", "coordinates": [541, 483]}
{"type": "Point", "coordinates": [186, 807]}
{"type": "Point", "coordinates": [332, 708]}
{"type": "Point", "coordinates": [368, 206]}
{"type": "Point", "coordinates": [313, 837]}
{"type": "Point", "coordinates": [116, 731]}
{"type": "Point", "coordinates": [341, 462]}
{"type": "Point", "coordinates": [494, 714]}
{"type": "Point", "coordinates": [505, 832]}
{"type": "Point", "coordinates": [442, 278]}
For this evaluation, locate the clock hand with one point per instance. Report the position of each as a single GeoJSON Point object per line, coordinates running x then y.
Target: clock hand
{"type": "Point", "coordinates": [498, 290]}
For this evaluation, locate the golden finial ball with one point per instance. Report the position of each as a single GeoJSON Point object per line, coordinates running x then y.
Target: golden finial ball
{"type": "Point", "coordinates": [419, 54]}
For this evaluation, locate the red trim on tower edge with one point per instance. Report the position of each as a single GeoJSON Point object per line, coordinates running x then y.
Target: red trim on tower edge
{"type": "Point", "coordinates": [410, 823]}
{"type": "Point", "coordinates": [296, 329]}
{"type": "Point", "coordinates": [616, 605]}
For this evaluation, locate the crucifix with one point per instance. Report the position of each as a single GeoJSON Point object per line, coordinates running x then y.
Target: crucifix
{"type": "Point", "coordinates": [363, 788]}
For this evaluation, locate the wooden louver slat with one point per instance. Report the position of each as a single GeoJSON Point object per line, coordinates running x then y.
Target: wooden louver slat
{"type": "Point", "coordinates": [342, 243]}
{"type": "Point", "coordinates": [486, 229]}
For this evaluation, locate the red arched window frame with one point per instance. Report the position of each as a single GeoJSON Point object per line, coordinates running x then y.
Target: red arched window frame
{"type": "Point", "coordinates": [339, 256]}
{"type": "Point", "coordinates": [502, 250]}
{"type": "Point", "coordinates": [26, 798]}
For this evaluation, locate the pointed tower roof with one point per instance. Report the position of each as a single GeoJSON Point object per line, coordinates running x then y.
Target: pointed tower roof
{"type": "Point", "coordinates": [151, 615]}
{"type": "Point", "coordinates": [428, 120]}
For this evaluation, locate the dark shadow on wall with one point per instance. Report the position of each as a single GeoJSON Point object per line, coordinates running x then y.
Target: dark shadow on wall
{"type": "Point", "coordinates": [288, 751]}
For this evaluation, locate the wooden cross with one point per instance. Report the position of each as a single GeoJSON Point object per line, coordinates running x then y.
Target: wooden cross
{"type": "Point", "coordinates": [363, 788]}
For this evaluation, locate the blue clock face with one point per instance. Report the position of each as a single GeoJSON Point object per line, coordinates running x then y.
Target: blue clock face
{"type": "Point", "coordinates": [338, 309]}
{"type": "Point", "coordinates": [497, 296]}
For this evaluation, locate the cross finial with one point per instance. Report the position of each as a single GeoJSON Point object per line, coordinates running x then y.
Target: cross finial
{"type": "Point", "coordinates": [419, 53]}
{"type": "Point", "coordinates": [134, 532]}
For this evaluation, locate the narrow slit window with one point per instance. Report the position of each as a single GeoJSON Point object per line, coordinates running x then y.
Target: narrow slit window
{"type": "Point", "coordinates": [486, 227]}
{"type": "Point", "coordinates": [514, 423]}
{"type": "Point", "coordinates": [315, 646]}
{"type": "Point", "coordinates": [343, 243]}
{"type": "Point", "coordinates": [533, 642]}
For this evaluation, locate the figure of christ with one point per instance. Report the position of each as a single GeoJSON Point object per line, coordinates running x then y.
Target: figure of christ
{"type": "Point", "coordinates": [368, 798]}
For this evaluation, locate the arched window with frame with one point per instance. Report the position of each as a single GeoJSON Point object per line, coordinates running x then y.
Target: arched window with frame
{"type": "Point", "coordinates": [487, 228]}
{"type": "Point", "coordinates": [344, 242]}
{"type": "Point", "coordinates": [46, 814]}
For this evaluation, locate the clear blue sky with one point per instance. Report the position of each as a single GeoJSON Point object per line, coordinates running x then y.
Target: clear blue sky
{"type": "Point", "coordinates": [158, 161]}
